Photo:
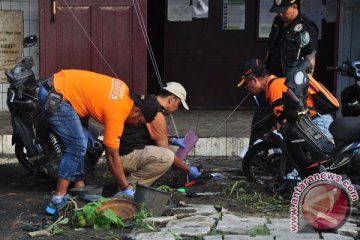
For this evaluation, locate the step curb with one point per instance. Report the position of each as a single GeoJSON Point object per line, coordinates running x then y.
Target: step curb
{"type": "Point", "coordinates": [221, 147]}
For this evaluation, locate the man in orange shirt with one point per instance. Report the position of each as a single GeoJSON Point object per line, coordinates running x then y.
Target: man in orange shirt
{"type": "Point", "coordinates": [256, 78]}
{"type": "Point", "coordinates": [145, 153]}
{"type": "Point", "coordinates": [86, 95]}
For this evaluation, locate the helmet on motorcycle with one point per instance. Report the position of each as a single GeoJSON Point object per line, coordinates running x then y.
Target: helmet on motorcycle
{"type": "Point", "coordinates": [22, 74]}
{"type": "Point", "coordinates": [251, 68]}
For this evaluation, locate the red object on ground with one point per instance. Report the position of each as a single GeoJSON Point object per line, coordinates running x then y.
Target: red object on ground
{"type": "Point", "coordinates": [189, 184]}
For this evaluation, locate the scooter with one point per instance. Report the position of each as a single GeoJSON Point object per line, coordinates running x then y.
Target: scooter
{"type": "Point", "coordinates": [350, 96]}
{"type": "Point", "coordinates": [37, 147]}
{"type": "Point", "coordinates": [271, 160]}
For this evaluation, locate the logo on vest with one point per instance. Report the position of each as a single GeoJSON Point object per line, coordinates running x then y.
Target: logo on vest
{"type": "Point", "coordinates": [117, 89]}
{"type": "Point", "coordinates": [298, 27]}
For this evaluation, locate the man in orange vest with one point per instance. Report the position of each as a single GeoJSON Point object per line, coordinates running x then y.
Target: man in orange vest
{"type": "Point", "coordinates": [256, 78]}
{"type": "Point", "coordinates": [71, 95]}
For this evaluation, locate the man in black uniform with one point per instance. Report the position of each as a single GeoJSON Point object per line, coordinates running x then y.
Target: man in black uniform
{"type": "Point", "coordinates": [292, 37]}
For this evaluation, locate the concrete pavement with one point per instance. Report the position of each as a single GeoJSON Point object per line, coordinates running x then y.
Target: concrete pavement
{"type": "Point", "coordinates": [208, 223]}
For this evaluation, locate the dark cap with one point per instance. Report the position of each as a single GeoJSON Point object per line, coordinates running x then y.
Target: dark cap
{"type": "Point", "coordinates": [148, 105]}
{"type": "Point", "coordinates": [281, 6]}
{"type": "Point", "coordinates": [250, 67]}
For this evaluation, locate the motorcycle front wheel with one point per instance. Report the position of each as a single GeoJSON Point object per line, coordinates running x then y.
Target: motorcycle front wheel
{"type": "Point", "coordinates": [262, 164]}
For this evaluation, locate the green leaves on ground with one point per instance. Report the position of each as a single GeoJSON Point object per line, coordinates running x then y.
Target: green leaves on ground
{"type": "Point", "coordinates": [89, 215]}
{"type": "Point", "coordinates": [164, 188]}
{"type": "Point", "coordinates": [141, 219]}
{"type": "Point", "coordinates": [255, 199]}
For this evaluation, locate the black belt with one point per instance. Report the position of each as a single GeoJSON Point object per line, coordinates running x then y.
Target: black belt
{"type": "Point", "coordinates": [49, 84]}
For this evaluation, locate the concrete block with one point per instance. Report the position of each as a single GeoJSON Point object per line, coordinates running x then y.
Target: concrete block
{"type": "Point", "coordinates": [163, 235]}
{"type": "Point", "coordinates": [231, 224]}
{"type": "Point", "coordinates": [189, 231]}
{"type": "Point", "coordinates": [219, 146]}
{"type": "Point", "coordinates": [334, 236]}
{"type": "Point", "coordinates": [238, 237]}
{"type": "Point", "coordinates": [193, 221]}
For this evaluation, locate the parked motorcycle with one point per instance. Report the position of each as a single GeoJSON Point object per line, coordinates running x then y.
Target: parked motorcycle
{"type": "Point", "coordinates": [350, 96]}
{"type": "Point", "coordinates": [274, 158]}
{"type": "Point", "coordinates": [37, 147]}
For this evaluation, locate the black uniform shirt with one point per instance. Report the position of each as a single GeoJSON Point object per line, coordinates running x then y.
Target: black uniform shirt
{"type": "Point", "coordinates": [285, 42]}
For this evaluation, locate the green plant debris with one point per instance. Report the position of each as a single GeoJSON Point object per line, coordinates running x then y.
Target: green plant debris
{"type": "Point", "coordinates": [54, 229]}
{"type": "Point", "coordinates": [256, 199]}
{"type": "Point", "coordinates": [268, 220]}
{"type": "Point", "coordinates": [164, 188]}
{"type": "Point", "coordinates": [90, 216]}
{"type": "Point", "coordinates": [213, 230]}
{"type": "Point", "coordinates": [356, 204]}
{"type": "Point", "coordinates": [259, 231]}
{"type": "Point", "coordinates": [141, 219]}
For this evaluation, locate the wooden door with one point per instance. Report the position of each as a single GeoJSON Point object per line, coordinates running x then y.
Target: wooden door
{"type": "Point", "coordinates": [101, 36]}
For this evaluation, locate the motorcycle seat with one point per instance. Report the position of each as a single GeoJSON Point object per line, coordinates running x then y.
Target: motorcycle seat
{"type": "Point", "coordinates": [345, 130]}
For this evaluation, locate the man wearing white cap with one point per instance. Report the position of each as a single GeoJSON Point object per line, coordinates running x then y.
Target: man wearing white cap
{"type": "Point", "coordinates": [145, 151]}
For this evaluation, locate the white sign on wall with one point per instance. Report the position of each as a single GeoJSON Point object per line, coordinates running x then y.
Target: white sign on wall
{"type": "Point", "coordinates": [11, 40]}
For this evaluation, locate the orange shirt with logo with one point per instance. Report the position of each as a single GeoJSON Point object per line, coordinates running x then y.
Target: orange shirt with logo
{"type": "Point", "coordinates": [103, 98]}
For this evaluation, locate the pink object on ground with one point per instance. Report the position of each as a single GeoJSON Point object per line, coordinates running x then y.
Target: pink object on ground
{"type": "Point", "coordinates": [190, 140]}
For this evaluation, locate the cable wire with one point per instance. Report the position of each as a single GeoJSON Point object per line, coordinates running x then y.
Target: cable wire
{"type": "Point", "coordinates": [89, 38]}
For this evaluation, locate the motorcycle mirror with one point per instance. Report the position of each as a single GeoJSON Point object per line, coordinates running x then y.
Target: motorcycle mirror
{"type": "Point", "coordinates": [30, 41]}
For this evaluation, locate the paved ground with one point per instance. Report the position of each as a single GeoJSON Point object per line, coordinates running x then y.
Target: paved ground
{"type": "Point", "coordinates": [22, 206]}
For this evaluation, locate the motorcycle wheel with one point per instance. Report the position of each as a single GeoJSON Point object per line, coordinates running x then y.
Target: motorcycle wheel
{"type": "Point", "coordinates": [261, 164]}
{"type": "Point", "coordinates": [22, 155]}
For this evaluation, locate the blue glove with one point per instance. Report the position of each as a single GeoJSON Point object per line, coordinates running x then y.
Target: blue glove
{"type": "Point", "coordinates": [194, 172]}
{"type": "Point", "coordinates": [178, 142]}
{"type": "Point", "coordinates": [127, 192]}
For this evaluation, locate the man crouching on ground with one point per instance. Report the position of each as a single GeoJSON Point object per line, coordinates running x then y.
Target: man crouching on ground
{"type": "Point", "coordinates": [145, 152]}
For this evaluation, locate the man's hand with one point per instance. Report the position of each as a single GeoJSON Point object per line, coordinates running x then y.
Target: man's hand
{"type": "Point", "coordinates": [127, 192]}
{"type": "Point", "coordinates": [194, 172]}
{"type": "Point", "coordinates": [178, 142]}
{"type": "Point", "coordinates": [115, 165]}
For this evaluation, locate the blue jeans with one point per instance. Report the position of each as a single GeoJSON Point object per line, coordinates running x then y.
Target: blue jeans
{"type": "Point", "coordinates": [323, 122]}
{"type": "Point", "coordinates": [66, 124]}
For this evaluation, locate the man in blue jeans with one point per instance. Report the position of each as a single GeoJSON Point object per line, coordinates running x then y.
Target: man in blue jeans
{"type": "Point", "coordinates": [71, 95]}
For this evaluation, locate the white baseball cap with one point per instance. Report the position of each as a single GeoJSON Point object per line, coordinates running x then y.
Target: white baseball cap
{"type": "Point", "coordinates": [178, 90]}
